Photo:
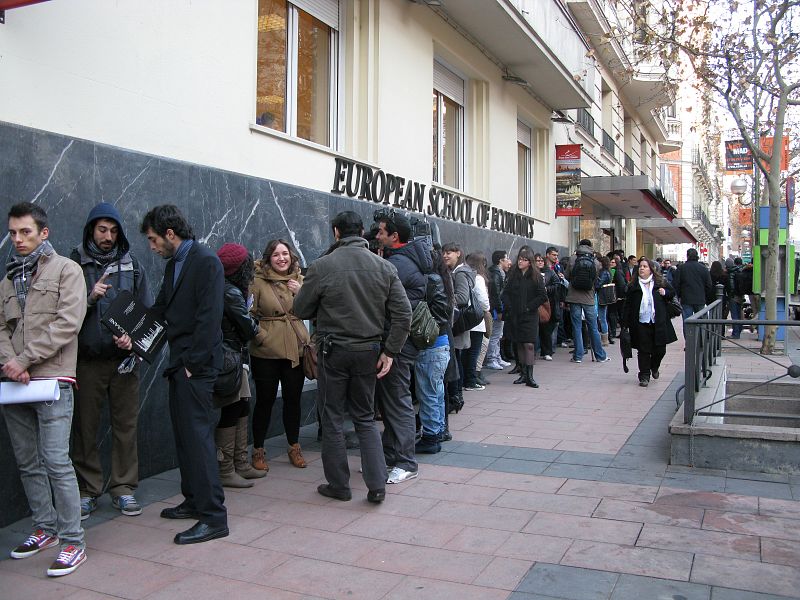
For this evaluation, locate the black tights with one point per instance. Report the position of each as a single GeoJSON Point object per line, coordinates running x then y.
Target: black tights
{"type": "Point", "coordinates": [231, 413]}
{"type": "Point", "coordinates": [267, 373]}
{"type": "Point", "coordinates": [526, 353]}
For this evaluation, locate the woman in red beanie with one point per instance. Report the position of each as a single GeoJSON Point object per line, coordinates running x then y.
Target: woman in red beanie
{"type": "Point", "coordinates": [277, 350]}
{"type": "Point", "coordinates": [238, 328]}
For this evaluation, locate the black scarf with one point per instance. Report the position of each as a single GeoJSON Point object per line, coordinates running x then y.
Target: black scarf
{"type": "Point", "coordinates": [21, 269]}
{"type": "Point", "coordinates": [102, 258]}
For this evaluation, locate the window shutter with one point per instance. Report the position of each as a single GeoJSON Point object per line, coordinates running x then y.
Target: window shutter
{"type": "Point", "coordinates": [523, 134]}
{"type": "Point", "coordinates": [448, 83]}
{"type": "Point", "coordinates": [326, 11]}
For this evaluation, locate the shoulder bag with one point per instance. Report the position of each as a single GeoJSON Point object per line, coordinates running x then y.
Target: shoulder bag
{"type": "Point", "coordinates": [309, 350]}
{"type": "Point", "coordinates": [545, 312]}
{"type": "Point", "coordinates": [470, 315]}
{"type": "Point", "coordinates": [229, 379]}
{"type": "Point", "coordinates": [674, 308]}
{"type": "Point", "coordinates": [607, 294]}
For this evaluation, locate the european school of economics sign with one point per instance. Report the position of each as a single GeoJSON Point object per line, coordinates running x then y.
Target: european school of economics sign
{"type": "Point", "coordinates": [355, 180]}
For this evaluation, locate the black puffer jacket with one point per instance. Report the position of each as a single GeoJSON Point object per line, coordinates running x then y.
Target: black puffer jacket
{"type": "Point", "coordinates": [495, 284]}
{"type": "Point", "coordinates": [412, 262]}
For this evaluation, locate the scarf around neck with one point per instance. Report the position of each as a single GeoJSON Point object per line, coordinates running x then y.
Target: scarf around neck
{"type": "Point", "coordinates": [647, 308]}
{"type": "Point", "coordinates": [102, 258]}
{"type": "Point", "coordinates": [21, 269]}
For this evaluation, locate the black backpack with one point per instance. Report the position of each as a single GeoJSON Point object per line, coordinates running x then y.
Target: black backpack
{"type": "Point", "coordinates": [584, 272]}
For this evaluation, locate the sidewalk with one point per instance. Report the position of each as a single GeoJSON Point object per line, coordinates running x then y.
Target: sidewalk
{"type": "Point", "coordinates": [558, 492]}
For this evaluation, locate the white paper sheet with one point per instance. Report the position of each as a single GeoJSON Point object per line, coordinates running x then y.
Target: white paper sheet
{"type": "Point", "coordinates": [38, 390]}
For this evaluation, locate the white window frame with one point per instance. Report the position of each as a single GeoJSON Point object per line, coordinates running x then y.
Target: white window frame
{"type": "Point", "coordinates": [525, 139]}
{"type": "Point", "coordinates": [327, 11]}
{"type": "Point", "coordinates": [447, 83]}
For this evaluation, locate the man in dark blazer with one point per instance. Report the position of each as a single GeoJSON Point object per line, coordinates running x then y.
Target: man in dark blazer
{"type": "Point", "coordinates": [191, 303]}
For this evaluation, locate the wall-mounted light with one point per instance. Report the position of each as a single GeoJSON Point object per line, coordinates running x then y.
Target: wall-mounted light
{"type": "Point", "coordinates": [515, 79]}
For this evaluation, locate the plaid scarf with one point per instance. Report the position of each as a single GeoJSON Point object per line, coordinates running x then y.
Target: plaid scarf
{"type": "Point", "coordinates": [102, 258]}
{"type": "Point", "coordinates": [21, 269]}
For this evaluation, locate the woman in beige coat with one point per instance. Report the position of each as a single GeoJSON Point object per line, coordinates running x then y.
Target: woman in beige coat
{"type": "Point", "coordinates": [276, 353]}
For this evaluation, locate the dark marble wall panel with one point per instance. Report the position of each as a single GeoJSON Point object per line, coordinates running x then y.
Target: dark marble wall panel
{"type": "Point", "coordinates": [67, 176]}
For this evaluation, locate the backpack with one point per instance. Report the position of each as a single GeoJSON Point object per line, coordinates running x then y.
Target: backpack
{"type": "Point", "coordinates": [584, 272]}
{"type": "Point", "coordinates": [468, 316]}
{"type": "Point", "coordinates": [743, 282]}
{"type": "Point", "coordinates": [429, 314]}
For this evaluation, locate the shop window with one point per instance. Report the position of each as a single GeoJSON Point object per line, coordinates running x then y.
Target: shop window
{"type": "Point", "coordinates": [448, 127]}
{"type": "Point", "coordinates": [297, 68]}
{"type": "Point", "coordinates": [524, 168]}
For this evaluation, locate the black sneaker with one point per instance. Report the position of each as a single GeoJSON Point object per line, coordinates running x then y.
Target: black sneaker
{"type": "Point", "coordinates": [656, 374]}
{"type": "Point", "coordinates": [376, 496]}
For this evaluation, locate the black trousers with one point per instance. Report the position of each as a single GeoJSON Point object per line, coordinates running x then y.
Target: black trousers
{"type": "Point", "coordinates": [267, 372]}
{"type": "Point", "coordinates": [194, 419]}
{"type": "Point", "coordinates": [546, 337]}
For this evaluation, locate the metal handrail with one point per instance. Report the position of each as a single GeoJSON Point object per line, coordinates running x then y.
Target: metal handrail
{"type": "Point", "coordinates": [703, 332]}
{"type": "Point", "coordinates": [585, 120]}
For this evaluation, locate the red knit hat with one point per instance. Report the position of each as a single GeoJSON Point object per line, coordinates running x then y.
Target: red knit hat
{"type": "Point", "coordinates": [232, 256]}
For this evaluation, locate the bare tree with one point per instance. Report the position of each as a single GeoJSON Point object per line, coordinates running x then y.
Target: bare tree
{"type": "Point", "coordinates": [746, 55]}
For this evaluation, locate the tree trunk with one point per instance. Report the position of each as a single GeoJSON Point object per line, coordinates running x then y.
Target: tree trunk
{"type": "Point", "coordinates": [771, 270]}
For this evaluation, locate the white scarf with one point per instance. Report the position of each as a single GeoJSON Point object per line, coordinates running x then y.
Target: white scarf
{"type": "Point", "coordinates": [647, 308]}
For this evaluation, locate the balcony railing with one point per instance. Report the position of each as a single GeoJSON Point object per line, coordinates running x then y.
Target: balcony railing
{"type": "Point", "coordinates": [609, 145]}
{"type": "Point", "coordinates": [698, 214]}
{"type": "Point", "coordinates": [629, 164]}
{"type": "Point", "coordinates": [586, 121]}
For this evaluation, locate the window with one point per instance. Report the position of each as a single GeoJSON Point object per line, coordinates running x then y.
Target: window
{"type": "Point", "coordinates": [524, 179]}
{"type": "Point", "coordinates": [448, 127]}
{"type": "Point", "coordinates": [297, 74]}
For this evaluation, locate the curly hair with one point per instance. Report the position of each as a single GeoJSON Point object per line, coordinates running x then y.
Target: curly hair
{"type": "Point", "coordinates": [243, 276]}
{"type": "Point", "coordinates": [294, 264]}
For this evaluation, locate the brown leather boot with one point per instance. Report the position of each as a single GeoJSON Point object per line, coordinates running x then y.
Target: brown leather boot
{"type": "Point", "coordinates": [260, 460]}
{"type": "Point", "coordinates": [240, 460]}
{"type": "Point", "coordinates": [296, 456]}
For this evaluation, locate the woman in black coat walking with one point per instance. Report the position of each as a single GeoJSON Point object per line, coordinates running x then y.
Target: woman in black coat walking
{"type": "Point", "coordinates": [645, 315]}
{"type": "Point", "coordinates": [524, 292]}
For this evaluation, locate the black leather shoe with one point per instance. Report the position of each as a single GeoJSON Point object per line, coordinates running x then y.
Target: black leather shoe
{"type": "Point", "coordinates": [376, 496]}
{"type": "Point", "coordinates": [179, 512]}
{"type": "Point", "coordinates": [656, 374]}
{"type": "Point", "coordinates": [201, 532]}
{"type": "Point", "coordinates": [329, 492]}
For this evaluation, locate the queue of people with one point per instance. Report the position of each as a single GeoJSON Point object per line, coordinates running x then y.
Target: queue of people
{"type": "Point", "coordinates": [361, 297]}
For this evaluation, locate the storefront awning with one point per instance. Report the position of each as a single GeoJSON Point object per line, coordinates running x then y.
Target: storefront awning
{"type": "Point", "coordinates": [627, 197]}
{"type": "Point", "coordinates": [9, 4]}
{"type": "Point", "coordinates": [663, 231]}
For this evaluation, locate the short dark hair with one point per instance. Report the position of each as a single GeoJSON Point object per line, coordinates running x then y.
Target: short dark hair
{"type": "Point", "coordinates": [453, 247]}
{"type": "Point", "coordinates": [551, 249]}
{"type": "Point", "coordinates": [738, 260]}
{"type": "Point", "coordinates": [585, 243]}
{"type": "Point", "coordinates": [632, 256]}
{"type": "Point", "coordinates": [167, 216]}
{"type": "Point", "coordinates": [397, 223]}
{"type": "Point", "coordinates": [498, 255]}
{"type": "Point", "coordinates": [23, 209]}
{"type": "Point", "coordinates": [348, 223]}
{"type": "Point", "coordinates": [691, 254]}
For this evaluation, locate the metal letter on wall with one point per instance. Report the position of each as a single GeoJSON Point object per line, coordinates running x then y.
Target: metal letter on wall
{"type": "Point", "coordinates": [568, 180]}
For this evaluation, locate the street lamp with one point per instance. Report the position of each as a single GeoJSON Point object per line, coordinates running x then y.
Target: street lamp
{"type": "Point", "coordinates": [738, 189]}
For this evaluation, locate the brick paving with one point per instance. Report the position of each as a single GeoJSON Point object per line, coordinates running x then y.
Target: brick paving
{"type": "Point", "coordinates": [561, 492]}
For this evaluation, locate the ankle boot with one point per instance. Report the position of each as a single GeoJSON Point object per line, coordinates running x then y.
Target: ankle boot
{"type": "Point", "coordinates": [523, 375]}
{"type": "Point", "coordinates": [296, 456]}
{"type": "Point", "coordinates": [260, 460]}
{"type": "Point", "coordinates": [604, 339]}
{"type": "Point", "coordinates": [225, 440]}
{"type": "Point", "coordinates": [529, 380]}
{"type": "Point", "coordinates": [241, 461]}
{"type": "Point", "coordinates": [515, 370]}
{"type": "Point", "coordinates": [428, 444]}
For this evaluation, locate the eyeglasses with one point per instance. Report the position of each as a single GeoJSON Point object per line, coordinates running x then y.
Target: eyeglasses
{"type": "Point", "coordinates": [539, 260]}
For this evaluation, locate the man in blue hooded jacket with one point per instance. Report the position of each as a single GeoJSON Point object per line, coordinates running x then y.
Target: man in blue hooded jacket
{"type": "Point", "coordinates": [106, 373]}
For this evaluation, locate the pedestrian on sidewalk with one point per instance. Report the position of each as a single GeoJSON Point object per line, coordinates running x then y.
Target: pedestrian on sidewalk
{"type": "Point", "coordinates": [277, 350]}
{"type": "Point", "coordinates": [191, 303]}
{"type": "Point", "coordinates": [106, 373]}
{"type": "Point", "coordinates": [42, 309]}
{"type": "Point", "coordinates": [522, 296]}
{"type": "Point", "coordinates": [647, 320]}
{"type": "Point", "coordinates": [477, 335]}
{"type": "Point", "coordinates": [495, 282]}
{"type": "Point", "coordinates": [238, 328]}
{"type": "Point", "coordinates": [553, 286]}
{"type": "Point", "coordinates": [582, 276]}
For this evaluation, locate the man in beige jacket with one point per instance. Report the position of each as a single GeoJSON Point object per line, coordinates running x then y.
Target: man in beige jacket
{"type": "Point", "coordinates": [42, 306]}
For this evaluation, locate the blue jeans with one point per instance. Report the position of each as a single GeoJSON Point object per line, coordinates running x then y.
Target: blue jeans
{"type": "Point", "coordinates": [602, 313]}
{"type": "Point", "coordinates": [736, 313]}
{"type": "Point", "coordinates": [493, 353]}
{"type": "Point", "coordinates": [690, 309]}
{"type": "Point", "coordinates": [429, 373]}
{"type": "Point", "coordinates": [591, 321]}
{"type": "Point", "coordinates": [39, 434]}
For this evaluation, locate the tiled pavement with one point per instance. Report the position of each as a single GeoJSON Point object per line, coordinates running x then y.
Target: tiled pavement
{"type": "Point", "coordinates": [561, 492]}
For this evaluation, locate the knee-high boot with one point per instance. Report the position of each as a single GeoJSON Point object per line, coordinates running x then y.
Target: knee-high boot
{"type": "Point", "coordinates": [241, 461]}
{"type": "Point", "coordinates": [225, 440]}
{"type": "Point", "coordinates": [529, 380]}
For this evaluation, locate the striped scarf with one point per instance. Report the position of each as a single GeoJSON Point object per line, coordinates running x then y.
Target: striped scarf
{"type": "Point", "coordinates": [21, 269]}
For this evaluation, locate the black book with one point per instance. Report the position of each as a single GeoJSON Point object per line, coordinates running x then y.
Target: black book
{"type": "Point", "coordinates": [126, 315]}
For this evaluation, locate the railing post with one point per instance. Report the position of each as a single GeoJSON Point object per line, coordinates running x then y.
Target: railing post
{"type": "Point", "coordinates": [720, 292]}
{"type": "Point", "coordinates": [690, 371]}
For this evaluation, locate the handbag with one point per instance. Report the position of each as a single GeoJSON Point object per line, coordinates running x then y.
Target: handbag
{"type": "Point", "coordinates": [545, 312]}
{"type": "Point", "coordinates": [229, 379]}
{"type": "Point", "coordinates": [468, 317]}
{"type": "Point", "coordinates": [607, 294]}
{"type": "Point", "coordinates": [674, 308]}
{"type": "Point", "coordinates": [309, 350]}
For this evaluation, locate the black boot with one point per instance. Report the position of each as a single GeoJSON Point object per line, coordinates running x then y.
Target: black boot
{"type": "Point", "coordinates": [515, 370]}
{"type": "Point", "coordinates": [455, 402]}
{"type": "Point", "coordinates": [429, 444]}
{"type": "Point", "coordinates": [529, 380]}
{"type": "Point", "coordinates": [522, 375]}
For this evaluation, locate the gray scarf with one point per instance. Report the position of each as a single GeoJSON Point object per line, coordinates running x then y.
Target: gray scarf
{"type": "Point", "coordinates": [21, 269]}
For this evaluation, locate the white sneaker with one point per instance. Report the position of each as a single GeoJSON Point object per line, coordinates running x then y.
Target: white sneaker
{"type": "Point", "coordinates": [503, 363]}
{"type": "Point", "coordinates": [494, 366]}
{"type": "Point", "coordinates": [398, 475]}
{"type": "Point", "coordinates": [604, 360]}
{"type": "Point", "coordinates": [548, 357]}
